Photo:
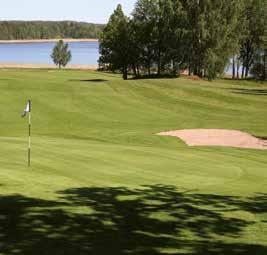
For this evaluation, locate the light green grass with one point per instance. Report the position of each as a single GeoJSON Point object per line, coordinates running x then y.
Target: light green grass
{"type": "Point", "coordinates": [102, 182]}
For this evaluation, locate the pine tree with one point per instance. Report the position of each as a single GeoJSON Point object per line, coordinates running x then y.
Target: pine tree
{"type": "Point", "coordinates": [115, 43]}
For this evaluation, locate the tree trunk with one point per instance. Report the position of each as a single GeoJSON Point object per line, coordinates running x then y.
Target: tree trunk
{"type": "Point", "coordinates": [159, 70]}
{"type": "Point", "coordinates": [159, 63]}
{"type": "Point", "coordinates": [189, 70]}
{"type": "Point", "coordinates": [201, 73]}
{"type": "Point", "coordinates": [148, 68]}
{"type": "Point", "coordinates": [125, 73]}
{"type": "Point", "coordinates": [243, 70]}
{"type": "Point", "coordinates": [248, 51]}
{"type": "Point", "coordinates": [200, 67]}
{"type": "Point", "coordinates": [233, 67]}
{"type": "Point", "coordinates": [134, 70]}
{"type": "Point", "coordinates": [247, 71]}
{"type": "Point", "coordinates": [138, 70]}
{"type": "Point", "coordinates": [237, 67]}
{"type": "Point", "coordinates": [265, 65]}
{"type": "Point", "coordinates": [196, 71]}
{"type": "Point", "coordinates": [174, 67]}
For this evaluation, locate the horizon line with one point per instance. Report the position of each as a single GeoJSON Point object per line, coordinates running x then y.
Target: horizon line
{"type": "Point", "coordinates": [51, 20]}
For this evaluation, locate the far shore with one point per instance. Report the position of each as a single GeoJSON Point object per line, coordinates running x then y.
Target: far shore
{"type": "Point", "coordinates": [47, 66]}
{"type": "Point", "coordinates": [49, 40]}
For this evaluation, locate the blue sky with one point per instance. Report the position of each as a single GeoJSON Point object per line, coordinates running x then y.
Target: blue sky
{"type": "Point", "coordinates": [97, 11]}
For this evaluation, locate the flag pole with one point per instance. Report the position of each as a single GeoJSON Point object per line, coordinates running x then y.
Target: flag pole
{"type": "Point", "coordinates": [29, 144]}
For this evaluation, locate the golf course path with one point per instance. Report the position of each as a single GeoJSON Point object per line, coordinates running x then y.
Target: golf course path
{"type": "Point", "coordinates": [218, 137]}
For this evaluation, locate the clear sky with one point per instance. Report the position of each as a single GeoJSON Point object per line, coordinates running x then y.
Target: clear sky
{"type": "Point", "coordinates": [96, 11]}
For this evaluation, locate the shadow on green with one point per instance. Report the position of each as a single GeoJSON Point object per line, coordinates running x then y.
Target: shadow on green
{"type": "Point", "coordinates": [89, 80]}
{"type": "Point", "coordinates": [255, 92]}
{"type": "Point", "coordinates": [153, 220]}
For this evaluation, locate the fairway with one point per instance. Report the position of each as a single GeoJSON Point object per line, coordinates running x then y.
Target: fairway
{"type": "Point", "coordinates": [102, 181]}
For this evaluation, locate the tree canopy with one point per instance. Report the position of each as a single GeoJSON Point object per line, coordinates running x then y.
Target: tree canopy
{"type": "Point", "coordinates": [165, 36]}
{"type": "Point", "coordinates": [115, 42]}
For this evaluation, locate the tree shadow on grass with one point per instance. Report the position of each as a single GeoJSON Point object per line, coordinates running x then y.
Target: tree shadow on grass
{"type": "Point", "coordinates": [154, 76]}
{"type": "Point", "coordinates": [262, 137]}
{"type": "Point", "coordinates": [257, 92]}
{"type": "Point", "coordinates": [153, 220]}
{"type": "Point", "coordinates": [90, 80]}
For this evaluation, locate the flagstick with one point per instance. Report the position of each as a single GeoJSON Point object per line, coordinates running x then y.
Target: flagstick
{"type": "Point", "coordinates": [29, 147]}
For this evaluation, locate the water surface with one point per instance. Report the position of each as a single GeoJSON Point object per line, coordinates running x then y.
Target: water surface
{"type": "Point", "coordinates": [83, 53]}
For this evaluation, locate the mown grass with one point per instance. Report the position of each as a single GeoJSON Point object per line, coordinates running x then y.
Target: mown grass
{"type": "Point", "coordinates": [102, 182]}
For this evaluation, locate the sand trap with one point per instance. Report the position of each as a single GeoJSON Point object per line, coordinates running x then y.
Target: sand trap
{"type": "Point", "coordinates": [218, 137]}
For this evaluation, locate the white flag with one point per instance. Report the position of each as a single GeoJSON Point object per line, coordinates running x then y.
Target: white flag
{"type": "Point", "coordinates": [27, 109]}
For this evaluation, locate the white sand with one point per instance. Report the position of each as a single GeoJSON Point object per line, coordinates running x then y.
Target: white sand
{"type": "Point", "coordinates": [218, 137]}
{"type": "Point", "coordinates": [46, 66]}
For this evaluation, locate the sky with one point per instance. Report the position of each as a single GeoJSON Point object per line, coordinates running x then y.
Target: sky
{"type": "Point", "coordinates": [95, 11]}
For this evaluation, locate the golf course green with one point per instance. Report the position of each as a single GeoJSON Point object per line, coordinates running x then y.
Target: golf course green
{"type": "Point", "coordinates": [102, 181]}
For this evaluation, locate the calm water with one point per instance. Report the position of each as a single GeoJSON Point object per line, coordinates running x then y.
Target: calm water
{"type": "Point", "coordinates": [83, 53]}
{"type": "Point", "coordinates": [39, 53]}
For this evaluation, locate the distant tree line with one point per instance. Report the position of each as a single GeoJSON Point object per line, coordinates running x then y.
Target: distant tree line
{"type": "Point", "coordinates": [200, 36]}
{"type": "Point", "coordinates": [19, 30]}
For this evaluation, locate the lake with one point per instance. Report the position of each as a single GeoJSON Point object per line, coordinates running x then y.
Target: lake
{"type": "Point", "coordinates": [83, 53]}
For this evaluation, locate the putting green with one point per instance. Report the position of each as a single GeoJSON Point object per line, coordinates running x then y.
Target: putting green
{"type": "Point", "coordinates": [102, 182]}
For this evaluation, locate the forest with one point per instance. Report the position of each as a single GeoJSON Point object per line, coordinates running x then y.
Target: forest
{"type": "Point", "coordinates": [19, 30]}
{"type": "Point", "coordinates": [200, 36]}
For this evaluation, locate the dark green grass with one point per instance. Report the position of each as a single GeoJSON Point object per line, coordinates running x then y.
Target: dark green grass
{"type": "Point", "coordinates": [102, 182]}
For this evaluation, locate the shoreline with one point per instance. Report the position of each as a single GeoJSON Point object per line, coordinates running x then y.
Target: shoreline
{"type": "Point", "coordinates": [48, 40]}
{"type": "Point", "coordinates": [47, 66]}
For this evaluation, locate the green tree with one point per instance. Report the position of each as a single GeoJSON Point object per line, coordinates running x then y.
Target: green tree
{"type": "Point", "coordinates": [145, 20]}
{"type": "Point", "coordinates": [201, 35]}
{"type": "Point", "coordinates": [253, 38]}
{"type": "Point", "coordinates": [258, 68]}
{"type": "Point", "coordinates": [175, 36]}
{"type": "Point", "coordinates": [265, 64]}
{"type": "Point", "coordinates": [212, 24]}
{"type": "Point", "coordinates": [162, 34]}
{"type": "Point", "coordinates": [61, 55]}
{"type": "Point", "coordinates": [115, 43]}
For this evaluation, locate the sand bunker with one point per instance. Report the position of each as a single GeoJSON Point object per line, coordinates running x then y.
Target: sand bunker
{"type": "Point", "coordinates": [218, 137]}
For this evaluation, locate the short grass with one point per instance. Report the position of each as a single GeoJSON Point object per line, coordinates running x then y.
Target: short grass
{"type": "Point", "coordinates": [102, 182]}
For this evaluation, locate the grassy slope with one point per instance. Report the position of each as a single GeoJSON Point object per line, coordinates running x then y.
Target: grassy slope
{"type": "Point", "coordinates": [101, 176]}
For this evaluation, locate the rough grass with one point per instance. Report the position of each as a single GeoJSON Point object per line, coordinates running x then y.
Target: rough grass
{"type": "Point", "coordinates": [102, 182]}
